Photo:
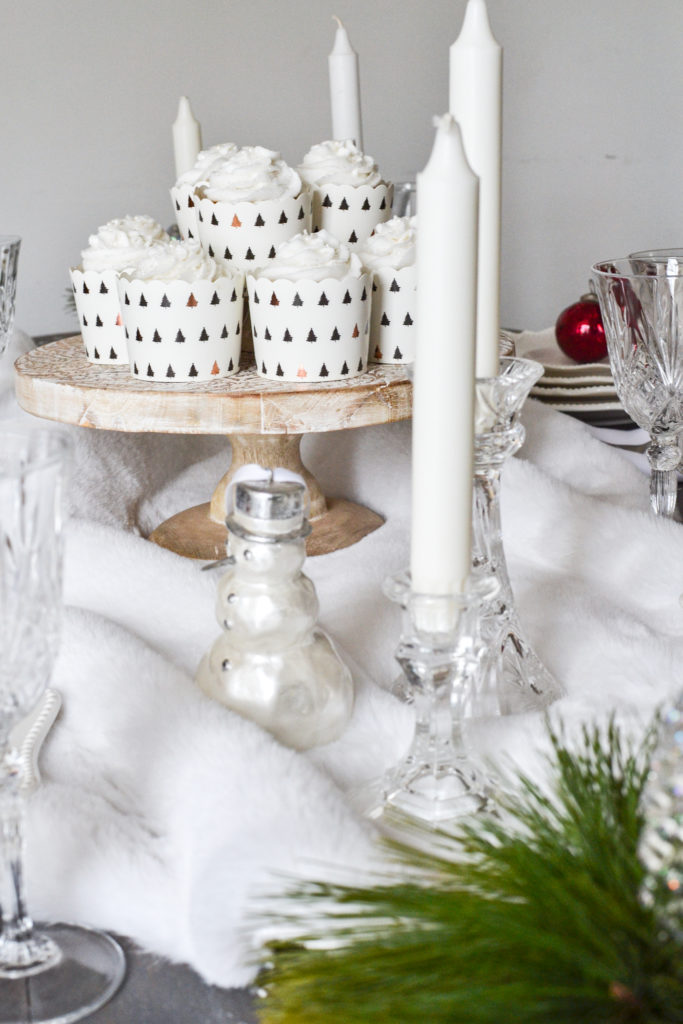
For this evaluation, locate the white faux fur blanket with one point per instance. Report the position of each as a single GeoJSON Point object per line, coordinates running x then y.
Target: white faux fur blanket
{"type": "Point", "coordinates": [161, 813]}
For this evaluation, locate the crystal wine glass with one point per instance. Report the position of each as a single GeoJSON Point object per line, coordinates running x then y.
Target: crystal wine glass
{"type": "Point", "coordinates": [641, 300]}
{"type": "Point", "coordinates": [48, 973]}
{"type": "Point", "coordinates": [9, 259]}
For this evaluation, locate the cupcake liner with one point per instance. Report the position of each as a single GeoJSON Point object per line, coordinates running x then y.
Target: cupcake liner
{"type": "Point", "coordinates": [184, 205]}
{"type": "Point", "coordinates": [310, 331]}
{"type": "Point", "coordinates": [392, 325]}
{"type": "Point", "coordinates": [351, 212]}
{"type": "Point", "coordinates": [182, 331]}
{"type": "Point", "coordinates": [99, 314]}
{"type": "Point", "coordinates": [245, 235]}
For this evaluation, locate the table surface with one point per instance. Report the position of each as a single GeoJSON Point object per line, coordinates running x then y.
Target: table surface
{"type": "Point", "coordinates": [56, 381]}
{"type": "Point", "coordinates": [158, 992]}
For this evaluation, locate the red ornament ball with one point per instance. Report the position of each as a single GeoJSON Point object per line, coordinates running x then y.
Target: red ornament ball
{"type": "Point", "coordinates": [579, 331]}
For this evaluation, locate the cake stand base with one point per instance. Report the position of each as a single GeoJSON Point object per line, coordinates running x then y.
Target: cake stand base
{"type": "Point", "coordinates": [194, 534]}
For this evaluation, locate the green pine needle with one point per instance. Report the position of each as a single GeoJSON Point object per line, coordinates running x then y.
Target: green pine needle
{"type": "Point", "coordinates": [534, 918]}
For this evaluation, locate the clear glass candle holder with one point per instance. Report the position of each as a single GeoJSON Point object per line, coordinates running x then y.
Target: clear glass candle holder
{"type": "Point", "coordinates": [514, 680]}
{"type": "Point", "coordinates": [439, 780]}
{"type": "Point", "coordinates": [641, 301]}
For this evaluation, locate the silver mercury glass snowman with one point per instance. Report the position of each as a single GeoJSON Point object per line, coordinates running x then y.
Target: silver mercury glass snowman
{"type": "Point", "coordinates": [271, 663]}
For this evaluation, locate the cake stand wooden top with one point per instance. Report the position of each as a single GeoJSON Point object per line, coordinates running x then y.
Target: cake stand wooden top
{"type": "Point", "coordinates": [57, 382]}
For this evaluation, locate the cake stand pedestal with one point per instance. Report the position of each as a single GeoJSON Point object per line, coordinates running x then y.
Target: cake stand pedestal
{"type": "Point", "coordinates": [264, 421]}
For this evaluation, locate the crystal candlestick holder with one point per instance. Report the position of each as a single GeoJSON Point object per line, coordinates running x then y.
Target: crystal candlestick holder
{"type": "Point", "coordinates": [514, 679]}
{"type": "Point", "coordinates": [439, 780]}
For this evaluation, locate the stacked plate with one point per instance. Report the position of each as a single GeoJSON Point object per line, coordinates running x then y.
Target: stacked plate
{"type": "Point", "coordinates": [582, 390]}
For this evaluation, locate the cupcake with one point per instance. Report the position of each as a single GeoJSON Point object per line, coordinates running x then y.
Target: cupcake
{"type": "Point", "coordinates": [182, 315]}
{"type": "Point", "coordinates": [248, 204]}
{"type": "Point", "coordinates": [310, 311]}
{"type": "Point", "coordinates": [390, 255]}
{"type": "Point", "coordinates": [116, 246]}
{"type": "Point", "coordinates": [183, 191]}
{"type": "Point", "coordinates": [349, 196]}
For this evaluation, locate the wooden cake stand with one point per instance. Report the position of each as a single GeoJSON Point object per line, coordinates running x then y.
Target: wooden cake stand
{"type": "Point", "coordinates": [263, 419]}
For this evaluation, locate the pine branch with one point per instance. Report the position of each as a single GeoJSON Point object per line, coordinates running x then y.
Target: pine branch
{"type": "Point", "coordinates": [541, 923]}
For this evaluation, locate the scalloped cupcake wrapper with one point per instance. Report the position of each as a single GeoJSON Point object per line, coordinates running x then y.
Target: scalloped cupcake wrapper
{"type": "Point", "coordinates": [351, 213]}
{"type": "Point", "coordinates": [185, 209]}
{"type": "Point", "coordinates": [392, 325]}
{"type": "Point", "coordinates": [246, 235]}
{"type": "Point", "coordinates": [310, 331]}
{"type": "Point", "coordinates": [181, 331]}
{"type": "Point", "coordinates": [99, 315]}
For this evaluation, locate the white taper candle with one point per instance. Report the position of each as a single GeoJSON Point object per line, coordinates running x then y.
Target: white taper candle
{"type": "Point", "coordinates": [476, 83]}
{"type": "Point", "coordinates": [345, 89]}
{"type": "Point", "coordinates": [187, 137]}
{"type": "Point", "coordinates": [443, 386]}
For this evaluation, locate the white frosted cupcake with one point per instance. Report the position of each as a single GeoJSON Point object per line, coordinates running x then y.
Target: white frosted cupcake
{"type": "Point", "coordinates": [116, 246]}
{"type": "Point", "coordinates": [182, 315]}
{"type": "Point", "coordinates": [390, 254]}
{"type": "Point", "coordinates": [350, 198]}
{"type": "Point", "coordinates": [248, 205]}
{"type": "Point", "coordinates": [310, 311]}
{"type": "Point", "coordinates": [183, 191]}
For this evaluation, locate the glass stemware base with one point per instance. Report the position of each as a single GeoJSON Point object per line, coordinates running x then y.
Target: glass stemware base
{"type": "Point", "coordinates": [83, 969]}
{"type": "Point", "coordinates": [514, 678]}
{"type": "Point", "coordinates": [439, 780]}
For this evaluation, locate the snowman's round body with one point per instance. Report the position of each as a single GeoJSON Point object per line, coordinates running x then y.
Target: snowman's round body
{"type": "Point", "coordinates": [271, 663]}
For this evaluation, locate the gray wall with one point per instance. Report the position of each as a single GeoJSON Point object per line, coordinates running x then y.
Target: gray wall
{"type": "Point", "coordinates": [593, 145]}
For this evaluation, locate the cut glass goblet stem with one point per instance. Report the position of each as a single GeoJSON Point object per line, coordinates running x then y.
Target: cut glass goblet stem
{"type": "Point", "coordinates": [664, 455]}
{"type": "Point", "coordinates": [514, 680]}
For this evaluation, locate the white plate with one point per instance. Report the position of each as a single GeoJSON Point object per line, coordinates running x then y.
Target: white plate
{"type": "Point", "coordinates": [603, 380]}
{"type": "Point", "coordinates": [579, 405]}
{"type": "Point", "coordinates": [547, 392]}
{"type": "Point", "coordinates": [542, 346]}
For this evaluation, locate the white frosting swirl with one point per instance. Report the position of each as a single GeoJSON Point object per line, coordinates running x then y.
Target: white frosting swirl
{"type": "Point", "coordinates": [207, 161]}
{"type": "Point", "coordinates": [311, 257]}
{"type": "Point", "coordinates": [174, 261]}
{"type": "Point", "coordinates": [120, 243]}
{"type": "Point", "coordinates": [338, 163]}
{"type": "Point", "coordinates": [391, 245]}
{"type": "Point", "coordinates": [251, 174]}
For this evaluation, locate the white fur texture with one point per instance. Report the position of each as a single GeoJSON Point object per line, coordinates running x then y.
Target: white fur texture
{"type": "Point", "coordinates": [162, 815]}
